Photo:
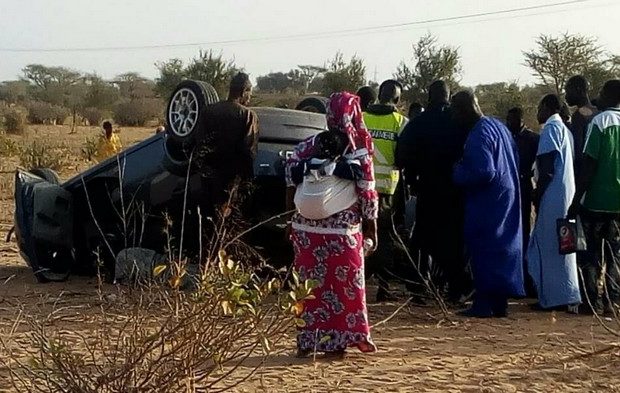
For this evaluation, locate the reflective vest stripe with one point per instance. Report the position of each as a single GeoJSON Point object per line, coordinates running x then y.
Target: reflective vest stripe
{"type": "Point", "coordinates": [385, 130]}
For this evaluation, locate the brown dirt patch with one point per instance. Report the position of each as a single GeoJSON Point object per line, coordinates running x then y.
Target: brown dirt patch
{"type": "Point", "coordinates": [528, 352]}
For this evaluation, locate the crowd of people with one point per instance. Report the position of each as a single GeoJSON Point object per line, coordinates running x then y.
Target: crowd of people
{"type": "Point", "coordinates": [477, 182]}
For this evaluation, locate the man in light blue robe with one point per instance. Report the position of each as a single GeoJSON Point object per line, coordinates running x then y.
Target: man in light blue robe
{"type": "Point", "coordinates": [555, 276]}
{"type": "Point", "coordinates": [489, 175]}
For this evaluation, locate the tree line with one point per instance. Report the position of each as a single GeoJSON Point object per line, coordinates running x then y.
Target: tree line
{"type": "Point", "coordinates": [55, 94]}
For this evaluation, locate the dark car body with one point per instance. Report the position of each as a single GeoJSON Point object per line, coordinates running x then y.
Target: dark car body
{"type": "Point", "coordinates": [128, 200]}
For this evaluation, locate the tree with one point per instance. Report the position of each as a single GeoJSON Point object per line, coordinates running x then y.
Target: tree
{"type": "Point", "coordinates": [274, 82]}
{"type": "Point", "coordinates": [213, 69]}
{"type": "Point", "coordinates": [294, 80]}
{"type": "Point", "coordinates": [100, 94]}
{"type": "Point", "coordinates": [430, 63]}
{"type": "Point", "coordinates": [171, 73]}
{"type": "Point", "coordinates": [343, 76]}
{"type": "Point", "coordinates": [51, 84]}
{"type": "Point", "coordinates": [44, 77]}
{"type": "Point", "coordinates": [58, 86]}
{"type": "Point", "coordinates": [133, 86]}
{"type": "Point", "coordinates": [207, 67]}
{"type": "Point", "coordinates": [556, 59]}
{"type": "Point", "coordinates": [601, 73]}
{"type": "Point", "coordinates": [14, 91]}
{"type": "Point", "coordinates": [309, 75]}
{"type": "Point", "coordinates": [497, 98]}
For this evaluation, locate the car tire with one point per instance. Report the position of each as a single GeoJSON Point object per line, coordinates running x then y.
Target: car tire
{"type": "Point", "coordinates": [47, 174]}
{"type": "Point", "coordinates": [186, 110]}
{"type": "Point", "coordinates": [313, 104]}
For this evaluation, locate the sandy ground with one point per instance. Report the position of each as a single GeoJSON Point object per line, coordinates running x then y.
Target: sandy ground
{"type": "Point", "coordinates": [419, 351]}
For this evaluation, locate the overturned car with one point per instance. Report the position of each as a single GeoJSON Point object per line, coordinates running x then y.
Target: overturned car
{"type": "Point", "coordinates": [128, 200]}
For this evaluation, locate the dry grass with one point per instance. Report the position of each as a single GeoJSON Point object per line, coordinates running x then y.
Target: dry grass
{"type": "Point", "coordinates": [535, 352]}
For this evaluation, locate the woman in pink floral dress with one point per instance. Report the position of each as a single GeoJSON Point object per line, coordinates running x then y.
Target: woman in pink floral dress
{"type": "Point", "coordinates": [331, 250]}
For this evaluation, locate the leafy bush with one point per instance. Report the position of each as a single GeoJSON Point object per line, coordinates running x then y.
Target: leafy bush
{"type": "Point", "coordinates": [162, 339]}
{"type": "Point", "coordinates": [37, 155]}
{"type": "Point", "coordinates": [93, 115]}
{"type": "Point", "coordinates": [89, 149]}
{"type": "Point", "coordinates": [8, 147]}
{"type": "Point", "coordinates": [45, 113]}
{"type": "Point", "coordinates": [138, 112]}
{"type": "Point", "coordinates": [15, 120]}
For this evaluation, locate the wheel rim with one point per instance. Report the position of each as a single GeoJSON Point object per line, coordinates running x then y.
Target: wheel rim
{"type": "Point", "coordinates": [183, 113]}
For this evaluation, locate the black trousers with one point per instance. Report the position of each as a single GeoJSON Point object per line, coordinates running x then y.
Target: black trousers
{"type": "Point", "coordinates": [602, 231]}
{"type": "Point", "coordinates": [437, 245]}
{"type": "Point", "coordinates": [526, 217]}
{"type": "Point", "coordinates": [381, 263]}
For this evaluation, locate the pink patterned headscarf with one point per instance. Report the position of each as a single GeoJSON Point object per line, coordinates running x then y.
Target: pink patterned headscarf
{"type": "Point", "coordinates": [345, 114]}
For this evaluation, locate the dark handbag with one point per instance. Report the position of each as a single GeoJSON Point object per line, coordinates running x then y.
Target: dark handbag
{"type": "Point", "coordinates": [571, 237]}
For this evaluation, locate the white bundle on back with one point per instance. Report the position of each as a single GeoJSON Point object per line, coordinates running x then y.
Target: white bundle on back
{"type": "Point", "coordinates": [321, 194]}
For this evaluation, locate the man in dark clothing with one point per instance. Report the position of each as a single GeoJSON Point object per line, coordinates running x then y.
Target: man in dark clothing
{"type": "Point", "coordinates": [577, 96]}
{"type": "Point", "coordinates": [367, 96]}
{"type": "Point", "coordinates": [226, 152]}
{"type": "Point", "coordinates": [427, 150]}
{"type": "Point", "coordinates": [527, 145]}
{"type": "Point", "coordinates": [415, 110]}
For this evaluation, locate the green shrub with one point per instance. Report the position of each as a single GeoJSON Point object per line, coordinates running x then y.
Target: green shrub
{"type": "Point", "coordinates": [15, 120]}
{"type": "Point", "coordinates": [37, 155]}
{"type": "Point", "coordinates": [89, 149]}
{"type": "Point", "coordinates": [45, 113]}
{"type": "Point", "coordinates": [8, 147]}
{"type": "Point", "coordinates": [136, 113]}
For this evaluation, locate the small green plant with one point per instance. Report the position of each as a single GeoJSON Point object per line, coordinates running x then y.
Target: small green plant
{"type": "Point", "coordinates": [169, 340]}
{"type": "Point", "coordinates": [89, 149]}
{"type": "Point", "coordinates": [8, 147]}
{"type": "Point", "coordinates": [37, 155]}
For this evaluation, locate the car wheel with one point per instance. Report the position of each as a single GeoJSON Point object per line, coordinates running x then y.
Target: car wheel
{"type": "Point", "coordinates": [186, 107]}
{"type": "Point", "coordinates": [46, 174]}
{"type": "Point", "coordinates": [313, 104]}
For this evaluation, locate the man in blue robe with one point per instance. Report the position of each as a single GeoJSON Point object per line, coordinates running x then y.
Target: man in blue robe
{"type": "Point", "coordinates": [489, 176]}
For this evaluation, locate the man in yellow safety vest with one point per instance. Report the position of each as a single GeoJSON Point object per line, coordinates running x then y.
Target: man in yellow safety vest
{"type": "Point", "coordinates": [385, 124]}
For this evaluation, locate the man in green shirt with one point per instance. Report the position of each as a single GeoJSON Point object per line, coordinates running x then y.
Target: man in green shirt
{"type": "Point", "coordinates": [597, 201]}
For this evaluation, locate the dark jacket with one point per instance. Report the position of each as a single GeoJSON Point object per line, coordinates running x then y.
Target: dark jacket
{"type": "Point", "coordinates": [428, 148]}
{"type": "Point", "coordinates": [228, 147]}
{"type": "Point", "coordinates": [527, 145]}
{"type": "Point", "coordinates": [579, 128]}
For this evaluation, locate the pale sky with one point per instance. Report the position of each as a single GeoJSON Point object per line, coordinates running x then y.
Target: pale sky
{"type": "Point", "coordinates": [491, 46]}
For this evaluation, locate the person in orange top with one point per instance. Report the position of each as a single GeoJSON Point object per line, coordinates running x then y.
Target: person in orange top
{"type": "Point", "coordinates": [109, 143]}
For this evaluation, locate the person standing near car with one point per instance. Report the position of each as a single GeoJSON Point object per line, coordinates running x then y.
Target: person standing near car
{"type": "Point", "coordinates": [488, 173]}
{"type": "Point", "coordinates": [109, 143]}
{"type": "Point", "coordinates": [385, 124]}
{"type": "Point", "coordinates": [367, 96]}
{"type": "Point", "coordinates": [226, 151]}
{"type": "Point", "coordinates": [599, 180]}
{"type": "Point", "coordinates": [555, 276]}
{"type": "Point", "coordinates": [331, 249]}
{"type": "Point", "coordinates": [427, 150]}
{"type": "Point", "coordinates": [527, 145]}
{"type": "Point", "coordinates": [577, 95]}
